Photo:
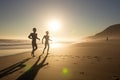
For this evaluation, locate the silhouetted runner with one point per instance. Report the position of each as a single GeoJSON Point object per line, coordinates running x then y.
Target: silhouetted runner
{"type": "Point", "coordinates": [33, 36]}
{"type": "Point", "coordinates": [47, 38]}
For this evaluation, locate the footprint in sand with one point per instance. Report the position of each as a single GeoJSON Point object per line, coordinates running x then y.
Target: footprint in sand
{"type": "Point", "coordinates": [81, 73]}
{"type": "Point", "coordinates": [89, 57]}
{"type": "Point", "coordinates": [75, 63]}
{"type": "Point", "coordinates": [97, 58]}
{"type": "Point", "coordinates": [116, 77]}
{"type": "Point", "coordinates": [109, 58]}
{"type": "Point", "coordinates": [57, 60]}
{"type": "Point", "coordinates": [77, 56]}
{"type": "Point", "coordinates": [72, 57]}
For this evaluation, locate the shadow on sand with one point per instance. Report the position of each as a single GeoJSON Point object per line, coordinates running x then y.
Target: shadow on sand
{"type": "Point", "coordinates": [13, 68]}
{"type": "Point", "coordinates": [32, 72]}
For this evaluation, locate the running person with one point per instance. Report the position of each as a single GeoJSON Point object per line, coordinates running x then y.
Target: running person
{"type": "Point", "coordinates": [33, 36]}
{"type": "Point", "coordinates": [47, 38]}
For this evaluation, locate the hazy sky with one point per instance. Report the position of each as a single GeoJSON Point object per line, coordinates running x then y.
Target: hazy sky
{"type": "Point", "coordinates": [78, 18]}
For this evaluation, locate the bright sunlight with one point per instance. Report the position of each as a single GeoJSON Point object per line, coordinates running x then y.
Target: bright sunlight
{"type": "Point", "coordinates": [54, 25]}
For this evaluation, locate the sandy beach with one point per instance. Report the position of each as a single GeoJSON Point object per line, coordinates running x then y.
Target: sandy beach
{"type": "Point", "coordinates": [59, 39]}
{"type": "Point", "coordinates": [82, 61]}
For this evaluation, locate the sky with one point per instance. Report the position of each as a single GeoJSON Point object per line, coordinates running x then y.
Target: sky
{"type": "Point", "coordinates": [77, 18]}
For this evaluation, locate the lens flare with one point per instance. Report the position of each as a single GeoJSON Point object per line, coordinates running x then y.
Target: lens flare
{"type": "Point", "coordinates": [66, 73]}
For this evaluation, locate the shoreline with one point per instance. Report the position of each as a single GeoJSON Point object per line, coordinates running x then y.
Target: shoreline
{"type": "Point", "coordinates": [10, 52]}
{"type": "Point", "coordinates": [14, 54]}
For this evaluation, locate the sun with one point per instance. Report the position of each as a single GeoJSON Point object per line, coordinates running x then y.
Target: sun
{"type": "Point", "coordinates": [54, 25]}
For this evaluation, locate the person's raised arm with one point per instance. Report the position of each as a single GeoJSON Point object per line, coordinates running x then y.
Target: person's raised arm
{"type": "Point", "coordinates": [42, 39]}
{"type": "Point", "coordinates": [29, 36]}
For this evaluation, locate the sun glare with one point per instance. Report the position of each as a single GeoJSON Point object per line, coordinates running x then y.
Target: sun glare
{"type": "Point", "coordinates": [54, 25]}
{"type": "Point", "coordinates": [56, 45]}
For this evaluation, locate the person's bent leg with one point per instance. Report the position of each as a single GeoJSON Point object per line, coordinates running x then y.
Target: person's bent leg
{"type": "Point", "coordinates": [44, 48]}
{"type": "Point", "coordinates": [48, 48]}
{"type": "Point", "coordinates": [35, 47]}
{"type": "Point", "coordinates": [32, 53]}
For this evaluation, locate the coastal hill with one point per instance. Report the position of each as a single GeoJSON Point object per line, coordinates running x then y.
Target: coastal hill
{"type": "Point", "coordinates": [112, 32]}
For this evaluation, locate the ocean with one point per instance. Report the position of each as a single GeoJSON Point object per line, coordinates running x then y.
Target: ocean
{"type": "Point", "coordinates": [12, 47]}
